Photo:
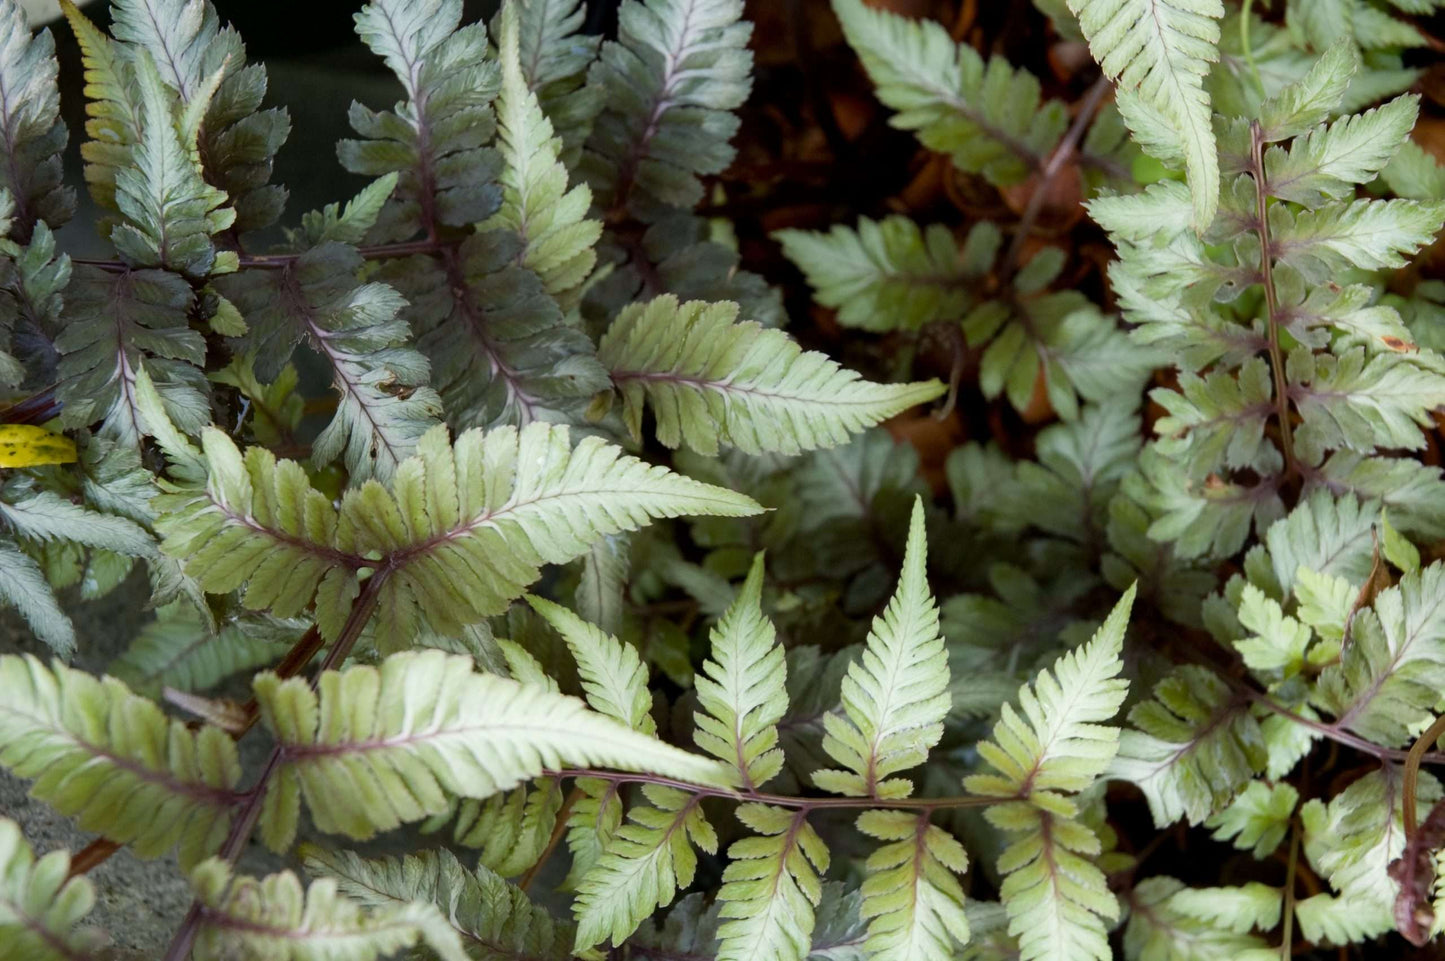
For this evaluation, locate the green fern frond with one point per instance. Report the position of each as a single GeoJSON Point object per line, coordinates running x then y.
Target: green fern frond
{"type": "Point", "coordinates": [712, 381]}
{"type": "Point", "coordinates": [385, 405]}
{"type": "Point", "coordinates": [112, 760]}
{"type": "Point", "coordinates": [594, 821]}
{"type": "Point", "coordinates": [669, 84]}
{"type": "Point", "coordinates": [987, 116]}
{"type": "Point", "coordinates": [32, 280]}
{"type": "Point", "coordinates": [30, 127]}
{"type": "Point", "coordinates": [113, 106]}
{"type": "Point", "coordinates": [434, 139]}
{"type": "Point", "coordinates": [116, 323]}
{"type": "Point", "coordinates": [890, 274]}
{"type": "Point", "coordinates": [1060, 745]}
{"type": "Point", "coordinates": [771, 888]}
{"type": "Point", "coordinates": [896, 697]}
{"type": "Point", "coordinates": [1195, 746]}
{"type": "Point", "coordinates": [501, 350]}
{"type": "Point", "coordinates": [602, 584]}
{"type": "Point", "coordinates": [741, 691]}
{"type": "Point", "coordinates": [1258, 819]}
{"type": "Point", "coordinates": [170, 212]}
{"type": "Point", "coordinates": [1352, 840]}
{"type": "Point", "coordinates": [1384, 688]}
{"type": "Point", "coordinates": [647, 862]}
{"type": "Point", "coordinates": [451, 733]}
{"type": "Point", "coordinates": [24, 587]}
{"type": "Point", "coordinates": [1054, 896]}
{"type": "Point", "coordinates": [45, 516]}
{"type": "Point", "coordinates": [179, 650]}
{"type": "Point", "coordinates": [205, 64]}
{"type": "Point", "coordinates": [555, 56]}
{"type": "Point", "coordinates": [913, 903]}
{"type": "Point", "coordinates": [463, 530]}
{"type": "Point", "coordinates": [41, 905]}
{"type": "Point", "coordinates": [614, 679]}
{"type": "Point", "coordinates": [557, 238]}
{"type": "Point", "coordinates": [496, 920]}
{"type": "Point", "coordinates": [271, 917]}
{"type": "Point", "coordinates": [512, 829]}
{"type": "Point", "coordinates": [1158, 52]}
{"type": "Point", "coordinates": [1161, 928]}
{"type": "Point", "coordinates": [1368, 234]}
{"type": "Point", "coordinates": [1329, 160]}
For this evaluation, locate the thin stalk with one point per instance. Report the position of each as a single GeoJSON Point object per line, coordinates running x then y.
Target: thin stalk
{"type": "Point", "coordinates": [1412, 774]}
{"type": "Point", "coordinates": [1341, 736]}
{"type": "Point", "coordinates": [1288, 939]}
{"type": "Point", "coordinates": [1271, 297]}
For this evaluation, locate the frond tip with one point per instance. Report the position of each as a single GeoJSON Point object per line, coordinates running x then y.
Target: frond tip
{"type": "Point", "coordinates": [712, 380]}
{"type": "Point", "coordinates": [896, 697]}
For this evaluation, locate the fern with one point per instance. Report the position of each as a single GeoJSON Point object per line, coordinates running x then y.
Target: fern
{"type": "Point", "coordinates": [554, 58]}
{"type": "Point", "coordinates": [742, 689]}
{"type": "Point", "coordinates": [1057, 901]}
{"type": "Point", "coordinates": [613, 676]}
{"type": "Point", "coordinates": [1158, 51]}
{"type": "Point", "coordinates": [41, 906]}
{"type": "Point", "coordinates": [112, 760]}
{"type": "Point", "coordinates": [712, 381]}
{"type": "Point", "coordinates": [987, 116]}
{"type": "Point", "coordinates": [180, 650]}
{"type": "Point", "coordinates": [667, 84]}
{"type": "Point", "coordinates": [644, 866]}
{"type": "Point", "coordinates": [895, 698]}
{"type": "Point", "coordinates": [261, 523]}
{"type": "Point", "coordinates": [453, 733]}
{"type": "Point", "coordinates": [272, 918]}
{"type": "Point", "coordinates": [31, 132]}
{"type": "Point", "coordinates": [557, 240]}
{"type": "Point", "coordinates": [771, 888]}
{"type": "Point", "coordinates": [914, 903]}
{"type": "Point", "coordinates": [494, 919]}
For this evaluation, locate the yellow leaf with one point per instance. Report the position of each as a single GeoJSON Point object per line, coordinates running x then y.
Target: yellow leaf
{"type": "Point", "coordinates": [25, 445]}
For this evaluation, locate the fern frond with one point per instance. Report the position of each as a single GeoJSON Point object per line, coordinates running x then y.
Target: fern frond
{"type": "Point", "coordinates": [112, 760]}
{"type": "Point", "coordinates": [1195, 746]}
{"type": "Point", "coordinates": [272, 917]}
{"type": "Point", "coordinates": [462, 532]}
{"type": "Point", "coordinates": [512, 829]}
{"type": "Point", "coordinates": [179, 650]}
{"type": "Point", "coordinates": [647, 862]}
{"type": "Point", "coordinates": [1368, 234]}
{"type": "Point", "coordinates": [23, 586]}
{"type": "Point", "coordinates": [434, 139]}
{"type": "Point", "coordinates": [45, 516]}
{"type": "Point", "coordinates": [1054, 896]}
{"type": "Point", "coordinates": [1162, 928]}
{"type": "Point", "coordinates": [1258, 819]}
{"type": "Point", "coordinates": [713, 381]}
{"type": "Point", "coordinates": [385, 405]}
{"type": "Point", "coordinates": [741, 691]}
{"type": "Point", "coordinates": [896, 697]}
{"type": "Point", "coordinates": [614, 678]}
{"type": "Point", "coordinates": [41, 906]}
{"type": "Point", "coordinates": [449, 731]}
{"type": "Point", "coordinates": [557, 239]}
{"type": "Point", "coordinates": [555, 56]}
{"type": "Point", "coordinates": [171, 212]}
{"type": "Point", "coordinates": [501, 351]}
{"type": "Point", "coordinates": [205, 64]}
{"type": "Point", "coordinates": [1352, 840]}
{"type": "Point", "coordinates": [32, 135]}
{"type": "Point", "coordinates": [771, 887]}
{"type": "Point", "coordinates": [987, 116]}
{"type": "Point", "coordinates": [1158, 52]}
{"type": "Point", "coordinates": [1384, 688]}
{"type": "Point", "coordinates": [113, 106]}
{"type": "Point", "coordinates": [1328, 161]}
{"type": "Point", "coordinates": [1060, 744]}
{"type": "Point", "coordinates": [913, 903]}
{"type": "Point", "coordinates": [1307, 102]}
{"type": "Point", "coordinates": [115, 324]}
{"type": "Point", "coordinates": [668, 84]}
{"type": "Point", "coordinates": [496, 920]}
{"type": "Point", "coordinates": [891, 275]}
{"type": "Point", "coordinates": [32, 280]}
